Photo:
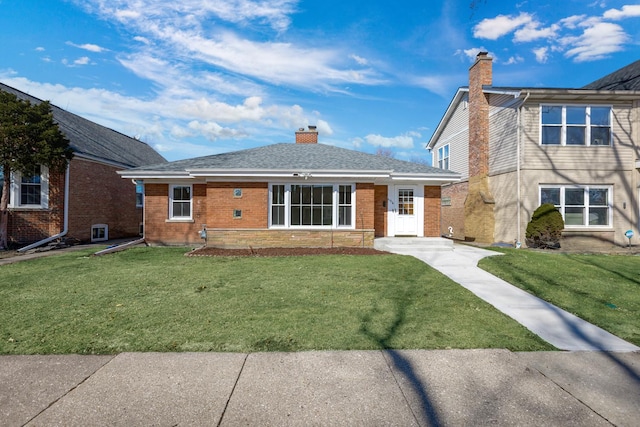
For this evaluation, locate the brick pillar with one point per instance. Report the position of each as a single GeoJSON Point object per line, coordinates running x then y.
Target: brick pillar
{"type": "Point", "coordinates": [479, 215]}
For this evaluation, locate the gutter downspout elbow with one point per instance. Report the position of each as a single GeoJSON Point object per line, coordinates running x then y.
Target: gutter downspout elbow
{"type": "Point", "coordinates": [65, 227]}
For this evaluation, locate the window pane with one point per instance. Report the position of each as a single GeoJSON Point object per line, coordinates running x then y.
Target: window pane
{"type": "Point", "coordinates": [598, 197]}
{"type": "Point", "coordinates": [327, 216]}
{"type": "Point", "coordinates": [574, 216]}
{"type": "Point", "coordinates": [296, 215]}
{"type": "Point", "coordinates": [551, 115]}
{"type": "Point", "coordinates": [306, 215]}
{"type": "Point", "coordinates": [277, 215]}
{"type": "Point", "coordinates": [296, 194]}
{"type": "Point", "coordinates": [181, 209]}
{"type": "Point", "coordinates": [600, 136]}
{"type": "Point", "coordinates": [551, 135]}
{"type": "Point", "coordinates": [306, 195]}
{"type": "Point", "coordinates": [344, 215]}
{"type": "Point", "coordinates": [575, 135]}
{"type": "Point", "coordinates": [550, 195]}
{"type": "Point", "coordinates": [576, 115]}
{"type": "Point", "coordinates": [327, 195]}
{"type": "Point", "coordinates": [600, 116]}
{"type": "Point", "coordinates": [29, 194]}
{"type": "Point", "coordinates": [574, 196]}
{"type": "Point", "coordinates": [277, 197]}
{"type": "Point", "coordinates": [598, 216]}
{"type": "Point", "coordinates": [317, 195]}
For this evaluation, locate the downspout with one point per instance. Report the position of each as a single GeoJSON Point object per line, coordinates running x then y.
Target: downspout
{"type": "Point", "coordinates": [519, 139]}
{"type": "Point", "coordinates": [65, 219]}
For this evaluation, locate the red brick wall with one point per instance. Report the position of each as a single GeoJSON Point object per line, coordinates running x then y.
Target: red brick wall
{"type": "Point", "coordinates": [306, 137]}
{"type": "Point", "coordinates": [365, 206]}
{"type": "Point", "coordinates": [254, 204]}
{"type": "Point", "coordinates": [215, 202]}
{"type": "Point", "coordinates": [453, 216]}
{"type": "Point", "coordinates": [381, 200]}
{"type": "Point", "coordinates": [432, 211]}
{"type": "Point", "coordinates": [28, 226]}
{"type": "Point", "coordinates": [98, 195]}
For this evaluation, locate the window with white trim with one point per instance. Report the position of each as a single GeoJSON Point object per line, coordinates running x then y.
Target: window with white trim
{"type": "Point", "coordinates": [443, 157]}
{"type": "Point", "coordinates": [580, 205]}
{"type": "Point", "coordinates": [588, 125]}
{"type": "Point", "coordinates": [312, 205]}
{"type": "Point", "coordinates": [30, 190]}
{"type": "Point", "coordinates": [180, 202]}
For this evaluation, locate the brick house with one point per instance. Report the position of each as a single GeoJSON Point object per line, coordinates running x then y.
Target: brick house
{"type": "Point", "coordinates": [519, 147]}
{"type": "Point", "coordinates": [289, 195]}
{"type": "Point", "coordinates": [89, 202]}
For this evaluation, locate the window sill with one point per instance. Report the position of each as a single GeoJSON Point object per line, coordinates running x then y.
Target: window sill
{"type": "Point", "coordinates": [27, 208]}
{"type": "Point", "coordinates": [186, 220]}
{"type": "Point", "coordinates": [583, 228]}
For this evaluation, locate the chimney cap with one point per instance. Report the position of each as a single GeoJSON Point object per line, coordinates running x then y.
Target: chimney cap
{"type": "Point", "coordinates": [482, 53]}
{"type": "Point", "coordinates": [312, 128]}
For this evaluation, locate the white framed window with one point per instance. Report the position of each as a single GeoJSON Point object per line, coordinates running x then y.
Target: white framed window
{"type": "Point", "coordinates": [99, 232]}
{"type": "Point", "coordinates": [30, 190]}
{"type": "Point", "coordinates": [312, 205]}
{"type": "Point", "coordinates": [139, 194]}
{"type": "Point", "coordinates": [587, 125]}
{"type": "Point", "coordinates": [443, 157]}
{"type": "Point", "coordinates": [581, 205]}
{"type": "Point", "coordinates": [180, 202]}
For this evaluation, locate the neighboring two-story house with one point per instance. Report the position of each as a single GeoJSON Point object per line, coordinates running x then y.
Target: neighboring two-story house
{"type": "Point", "coordinates": [290, 195]}
{"type": "Point", "coordinates": [88, 202]}
{"type": "Point", "coordinates": [519, 147]}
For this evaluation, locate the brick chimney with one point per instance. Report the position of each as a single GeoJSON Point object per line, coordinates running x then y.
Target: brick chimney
{"type": "Point", "coordinates": [307, 136]}
{"type": "Point", "coordinates": [480, 75]}
{"type": "Point", "coordinates": [479, 215]}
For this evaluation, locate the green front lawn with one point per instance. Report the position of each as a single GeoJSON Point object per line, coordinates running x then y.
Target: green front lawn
{"type": "Point", "coordinates": [156, 299]}
{"type": "Point", "coordinates": [601, 289]}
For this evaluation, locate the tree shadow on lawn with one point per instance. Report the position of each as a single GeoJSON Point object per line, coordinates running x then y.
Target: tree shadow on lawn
{"type": "Point", "coordinates": [402, 364]}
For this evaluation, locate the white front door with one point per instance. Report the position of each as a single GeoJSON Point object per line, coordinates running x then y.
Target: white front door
{"type": "Point", "coordinates": [406, 219]}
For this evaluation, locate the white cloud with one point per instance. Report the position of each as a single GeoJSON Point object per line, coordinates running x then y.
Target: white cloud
{"type": "Point", "coordinates": [628, 11]}
{"type": "Point", "coordinates": [360, 60]}
{"type": "Point", "coordinates": [499, 26]}
{"type": "Point", "coordinates": [517, 59]}
{"type": "Point", "coordinates": [596, 42]}
{"type": "Point", "coordinates": [401, 141]}
{"type": "Point", "coordinates": [213, 131]}
{"type": "Point", "coordinates": [472, 53]}
{"type": "Point", "coordinates": [541, 54]}
{"type": "Point", "coordinates": [40, 49]}
{"type": "Point", "coordinates": [532, 32]}
{"type": "Point", "coordinates": [82, 61]}
{"type": "Point", "coordinates": [88, 46]}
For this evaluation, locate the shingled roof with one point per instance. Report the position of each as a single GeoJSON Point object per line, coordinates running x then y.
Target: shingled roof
{"type": "Point", "coordinates": [293, 158]}
{"type": "Point", "coordinates": [91, 140]}
{"type": "Point", "coordinates": [626, 78]}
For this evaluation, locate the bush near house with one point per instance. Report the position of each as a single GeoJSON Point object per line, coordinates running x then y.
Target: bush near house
{"type": "Point", "coordinates": [544, 231]}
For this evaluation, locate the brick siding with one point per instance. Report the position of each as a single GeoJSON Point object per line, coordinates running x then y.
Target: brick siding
{"type": "Point", "coordinates": [453, 215]}
{"type": "Point", "coordinates": [432, 211]}
{"type": "Point", "coordinates": [381, 210]}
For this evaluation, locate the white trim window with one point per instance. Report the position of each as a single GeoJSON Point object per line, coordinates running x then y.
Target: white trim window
{"type": "Point", "coordinates": [581, 205]}
{"type": "Point", "coordinates": [312, 205]}
{"type": "Point", "coordinates": [180, 202]}
{"type": "Point", "coordinates": [443, 157]}
{"type": "Point", "coordinates": [30, 190]}
{"type": "Point", "coordinates": [586, 125]}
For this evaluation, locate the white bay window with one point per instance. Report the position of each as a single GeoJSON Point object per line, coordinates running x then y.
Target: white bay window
{"type": "Point", "coordinates": [312, 205]}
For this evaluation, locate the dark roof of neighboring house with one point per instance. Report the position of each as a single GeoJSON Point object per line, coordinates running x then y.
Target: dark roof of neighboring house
{"type": "Point", "coordinates": [297, 158]}
{"type": "Point", "coordinates": [92, 140]}
{"type": "Point", "coordinates": [626, 78]}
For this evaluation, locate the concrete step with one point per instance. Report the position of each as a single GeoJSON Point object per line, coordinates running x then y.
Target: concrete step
{"type": "Point", "coordinates": [408, 244]}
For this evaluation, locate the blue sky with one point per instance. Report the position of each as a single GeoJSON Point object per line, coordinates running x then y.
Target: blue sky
{"type": "Point", "coordinates": [200, 77]}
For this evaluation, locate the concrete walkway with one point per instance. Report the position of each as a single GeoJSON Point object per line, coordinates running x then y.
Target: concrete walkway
{"type": "Point", "coordinates": [354, 388]}
{"type": "Point", "coordinates": [460, 263]}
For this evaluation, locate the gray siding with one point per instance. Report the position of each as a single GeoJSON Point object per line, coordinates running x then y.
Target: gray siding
{"type": "Point", "coordinates": [456, 134]}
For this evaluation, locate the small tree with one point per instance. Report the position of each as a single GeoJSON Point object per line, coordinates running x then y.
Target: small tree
{"type": "Point", "coordinates": [29, 137]}
{"type": "Point", "coordinates": [545, 228]}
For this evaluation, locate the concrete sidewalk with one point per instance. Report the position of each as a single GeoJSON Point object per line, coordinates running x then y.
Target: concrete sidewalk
{"type": "Point", "coordinates": [460, 263]}
{"type": "Point", "coordinates": [356, 388]}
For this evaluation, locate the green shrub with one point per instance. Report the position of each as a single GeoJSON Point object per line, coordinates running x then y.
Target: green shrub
{"type": "Point", "coordinates": [545, 228]}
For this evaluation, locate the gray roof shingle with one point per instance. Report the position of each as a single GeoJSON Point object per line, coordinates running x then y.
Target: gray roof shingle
{"type": "Point", "coordinates": [96, 141]}
{"type": "Point", "coordinates": [295, 157]}
{"type": "Point", "coordinates": [626, 78]}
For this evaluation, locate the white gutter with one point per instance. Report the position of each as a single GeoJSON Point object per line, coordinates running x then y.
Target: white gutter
{"type": "Point", "coordinates": [66, 217]}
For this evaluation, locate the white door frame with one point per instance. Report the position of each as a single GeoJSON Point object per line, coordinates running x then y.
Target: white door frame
{"type": "Point", "coordinates": [392, 208]}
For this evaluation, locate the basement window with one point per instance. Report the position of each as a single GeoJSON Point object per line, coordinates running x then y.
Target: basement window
{"type": "Point", "coordinates": [99, 232]}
